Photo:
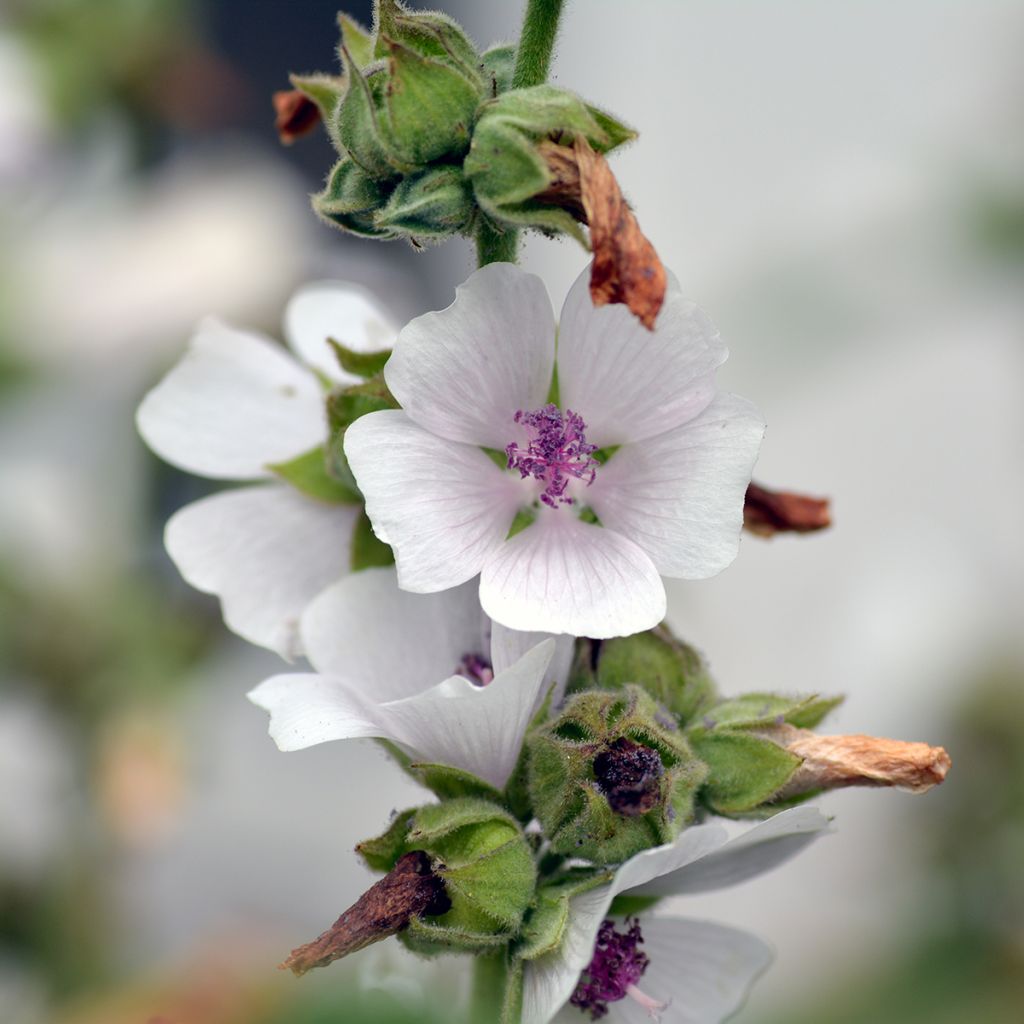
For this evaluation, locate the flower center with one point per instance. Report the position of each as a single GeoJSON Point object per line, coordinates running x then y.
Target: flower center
{"type": "Point", "coordinates": [557, 452]}
{"type": "Point", "coordinates": [476, 668]}
{"type": "Point", "coordinates": [614, 971]}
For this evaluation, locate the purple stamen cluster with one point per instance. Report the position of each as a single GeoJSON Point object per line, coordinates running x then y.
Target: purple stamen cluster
{"type": "Point", "coordinates": [476, 668]}
{"type": "Point", "coordinates": [558, 452]}
{"type": "Point", "coordinates": [616, 967]}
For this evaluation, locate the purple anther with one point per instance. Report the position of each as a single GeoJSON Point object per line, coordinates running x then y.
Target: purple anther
{"type": "Point", "coordinates": [557, 452]}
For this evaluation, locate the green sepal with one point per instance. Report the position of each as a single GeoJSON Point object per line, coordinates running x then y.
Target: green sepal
{"type": "Point", "coordinates": [356, 40]}
{"type": "Point", "coordinates": [359, 125]}
{"type": "Point", "coordinates": [744, 770]}
{"type": "Point", "coordinates": [447, 782]}
{"type": "Point", "coordinates": [543, 926]}
{"type": "Point", "coordinates": [430, 34]}
{"type": "Point", "coordinates": [360, 364]}
{"type": "Point", "coordinates": [367, 550]}
{"type": "Point", "coordinates": [517, 789]}
{"type": "Point", "coordinates": [381, 853]}
{"type": "Point", "coordinates": [434, 204]}
{"type": "Point", "coordinates": [428, 108]}
{"type": "Point", "coordinates": [618, 134]}
{"type": "Point", "coordinates": [346, 405]}
{"type": "Point", "coordinates": [754, 710]}
{"type": "Point", "coordinates": [307, 473]}
{"type": "Point", "coordinates": [435, 821]}
{"type": "Point", "coordinates": [325, 91]}
{"type": "Point", "coordinates": [524, 517]}
{"type": "Point", "coordinates": [626, 905]}
{"type": "Point", "coordinates": [498, 65]}
{"type": "Point", "coordinates": [350, 200]}
{"type": "Point", "coordinates": [428, 937]}
{"type": "Point", "coordinates": [672, 672]}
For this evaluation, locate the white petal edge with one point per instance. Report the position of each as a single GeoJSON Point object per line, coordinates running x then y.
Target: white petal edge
{"type": "Point", "coordinates": [566, 576]}
{"type": "Point", "coordinates": [365, 627]}
{"type": "Point", "coordinates": [680, 495]}
{"type": "Point", "coordinates": [701, 858]}
{"type": "Point", "coordinates": [478, 729]}
{"type": "Point", "coordinates": [266, 551]}
{"type": "Point", "coordinates": [339, 310]}
{"type": "Point", "coordinates": [235, 403]}
{"type": "Point", "coordinates": [509, 645]}
{"type": "Point", "coordinates": [443, 507]}
{"type": "Point", "coordinates": [629, 383]}
{"type": "Point", "coordinates": [703, 970]}
{"type": "Point", "coordinates": [465, 371]}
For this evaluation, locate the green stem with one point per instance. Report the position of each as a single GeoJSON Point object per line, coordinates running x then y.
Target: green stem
{"type": "Point", "coordinates": [490, 980]}
{"type": "Point", "coordinates": [495, 245]}
{"type": "Point", "coordinates": [536, 42]}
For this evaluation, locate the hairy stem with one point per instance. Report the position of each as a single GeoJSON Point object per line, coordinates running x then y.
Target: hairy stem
{"type": "Point", "coordinates": [494, 245]}
{"type": "Point", "coordinates": [536, 42]}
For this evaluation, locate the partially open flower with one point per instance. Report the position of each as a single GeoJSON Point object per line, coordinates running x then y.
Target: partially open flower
{"type": "Point", "coordinates": [430, 673]}
{"type": "Point", "coordinates": [239, 407]}
{"type": "Point", "coordinates": [638, 471]}
{"type": "Point", "coordinates": [601, 957]}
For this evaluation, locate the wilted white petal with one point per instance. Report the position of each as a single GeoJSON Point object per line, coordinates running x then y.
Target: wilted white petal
{"type": "Point", "coordinates": [234, 403]}
{"type": "Point", "coordinates": [443, 507]}
{"type": "Point", "coordinates": [509, 645]}
{"type": "Point", "coordinates": [680, 494]}
{"type": "Point", "coordinates": [364, 627]}
{"type": "Point", "coordinates": [759, 849]}
{"type": "Point", "coordinates": [338, 310]}
{"type": "Point", "coordinates": [465, 371]}
{"type": "Point", "coordinates": [566, 576]}
{"type": "Point", "coordinates": [479, 729]}
{"type": "Point", "coordinates": [703, 970]}
{"type": "Point", "coordinates": [265, 551]}
{"type": "Point", "coordinates": [629, 383]}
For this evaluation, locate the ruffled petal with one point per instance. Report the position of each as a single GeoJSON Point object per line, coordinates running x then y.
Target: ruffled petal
{"type": "Point", "coordinates": [629, 383]}
{"type": "Point", "coordinates": [364, 627]}
{"type": "Point", "coordinates": [703, 970]}
{"type": "Point", "coordinates": [235, 403]}
{"type": "Point", "coordinates": [338, 310]}
{"type": "Point", "coordinates": [443, 507]}
{"type": "Point", "coordinates": [465, 371]}
{"type": "Point", "coordinates": [680, 494]}
{"type": "Point", "coordinates": [266, 552]}
{"type": "Point", "coordinates": [478, 729]}
{"type": "Point", "coordinates": [509, 645]}
{"type": "Point", "coordinates": [566, 576]}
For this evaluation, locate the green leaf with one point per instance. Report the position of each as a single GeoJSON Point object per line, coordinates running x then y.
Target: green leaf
{"type": "Point", "coordinates": [744, 770]}
{"type": "Point", "coordinates": [382, 852]}
{"type": "Point", "coordinates": [447, 782]}
{"type": "Point", "coordinates": [368, 551]}
{"type": "Point", "coordinates": [361, 364]}
{"type": "Point", "coordinates": [308, 474]}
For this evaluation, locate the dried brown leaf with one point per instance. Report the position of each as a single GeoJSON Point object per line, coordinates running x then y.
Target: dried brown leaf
{"type": "Point", "coordinates": [297, 115]}
{"type": "Point", "coordinates": [767, 512]}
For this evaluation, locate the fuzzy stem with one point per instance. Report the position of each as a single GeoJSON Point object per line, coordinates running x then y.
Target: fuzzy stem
{"type": "Point", "coordinates": [490, 977]}
{"type": "Point", "coordinates": [494, 245]}
{"type": "Point", "coordinates": [536, 42]}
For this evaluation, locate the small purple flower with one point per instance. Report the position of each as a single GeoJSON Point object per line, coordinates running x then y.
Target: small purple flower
{"type": "Point", "coordinates": [618, 964]}
{"type": "Point", "coordinates": [557, 453]}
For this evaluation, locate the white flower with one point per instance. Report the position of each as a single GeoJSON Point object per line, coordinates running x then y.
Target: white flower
{"type": "Point", "coordinates": [428, 672]}
{"type": "Point", "coordinates": [236, 404]}
{"type": "Point", "coordinates": [477, 376]}
{"type": "Point", "coordinates": [702, 970]}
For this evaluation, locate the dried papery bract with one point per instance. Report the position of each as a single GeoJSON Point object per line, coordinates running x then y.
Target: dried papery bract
{"type": "Point", "coordinates": [295, 115]}
{"type": "Point", "coordinates": [767, 512]}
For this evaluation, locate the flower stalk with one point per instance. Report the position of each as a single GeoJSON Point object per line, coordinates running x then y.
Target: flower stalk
{"type": "Point", "coordinates": [537, 42]}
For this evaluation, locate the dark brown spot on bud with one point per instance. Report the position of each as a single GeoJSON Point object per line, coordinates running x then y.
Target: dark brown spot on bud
{"type": "Point", "coordinates": [628, 775]}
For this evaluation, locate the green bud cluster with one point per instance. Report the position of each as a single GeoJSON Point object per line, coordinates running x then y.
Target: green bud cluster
{"type": "Point", "coordinates": [611, 775]}
{"type": "Point", "coordinates": [431, 137]}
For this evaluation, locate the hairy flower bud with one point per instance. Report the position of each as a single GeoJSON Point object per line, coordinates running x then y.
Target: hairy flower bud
{"type": "Point", "coordinates": [480, 853]}
{"type": "Point", "coordinates": [434, 204]}
{"type": "Point", "coordinates": [611, 776]}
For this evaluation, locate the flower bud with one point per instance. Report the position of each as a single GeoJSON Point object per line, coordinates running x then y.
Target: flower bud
{"type": "Point", "coordinates": [611, 776]}
{"type": "Point", "coordinates": [434, 204]}
{"type": "Point", "coordinates": [431, 34]}
{"type": "Point", "coordinates": [671, 671]}
{"type": "Point", "coordinates": [351, 199]}
{"type": "Point", "coordinates": [506, 164]}
{"type": "Point", "coordinates": [482, 856]}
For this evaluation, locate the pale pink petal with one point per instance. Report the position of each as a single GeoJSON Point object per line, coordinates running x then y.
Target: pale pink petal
{"type": "Point", "coordinates": [364, 627]}
{"type": "Point", "coordinates": [629, 383]}
{"type": "Point", "coordinates": [338, 310]}
{"type": "Point", "coordinates": [465, 371]}
{"type": "Point", "coordinates": [266, 552]}
{"type": "Point", "coordinates": [680, 494]}
{"type": "Point", "coordinates": [566, 576]}
{"type": "Point", "coordinates": [443, 507]}
{"type": "Point", "coordinates": [509, 645]}
{"type": "Point", "coordinates": [234, 403]}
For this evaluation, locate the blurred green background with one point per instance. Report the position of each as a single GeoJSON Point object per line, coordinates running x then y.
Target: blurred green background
{"type": "Point", "coordinates": [842, 188]}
